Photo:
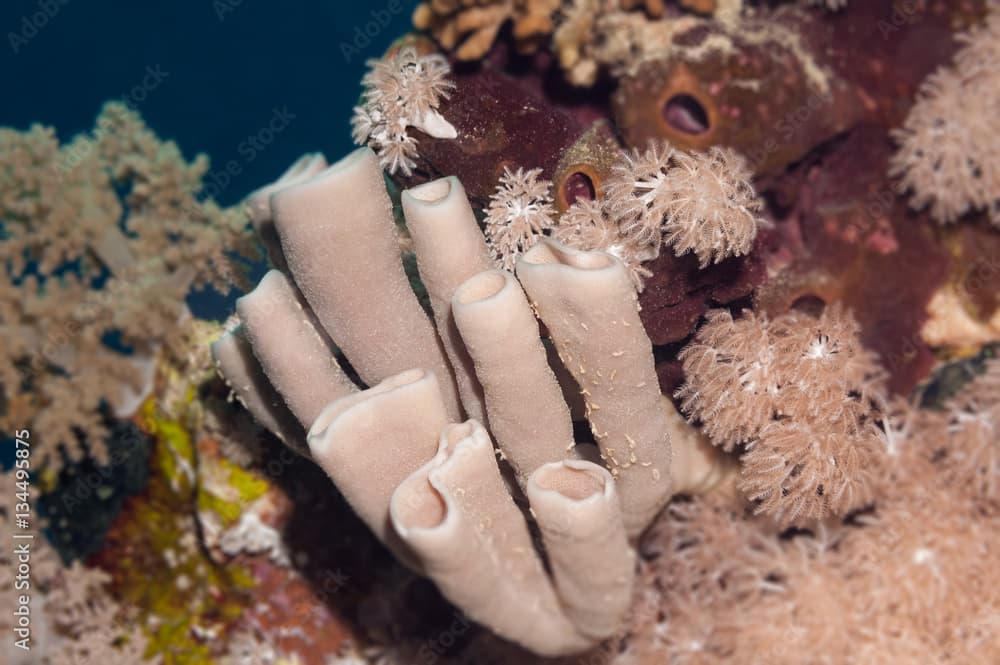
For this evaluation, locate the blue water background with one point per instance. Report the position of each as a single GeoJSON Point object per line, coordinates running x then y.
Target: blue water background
{"type": "Point", "coordinates": [223, 68]}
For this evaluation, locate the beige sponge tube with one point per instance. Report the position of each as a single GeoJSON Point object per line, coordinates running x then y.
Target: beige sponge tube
{"type": "Point", "coordinates": [450, 249]}
{"type": "Point", "coordinates": [369, 442]}
{"type": "Point", "coordinates": [237, 365]}
{"type": "Point", "coordinates": [698, 467]}
{"type": "Point", "coordinates": [576, 506]}
{"type": "Point", "coordinates": [589, 305]}
{"type": "Point", "coordinates": [296, 358]}
{"type": "Point", "coordinates": [527, 413]}
{"type": "Point", "coordinates": [456, 515]}
{"type": "Point", "coordinates": [259, 202]}
{"type": "Point", "coordinates": [339, 239]}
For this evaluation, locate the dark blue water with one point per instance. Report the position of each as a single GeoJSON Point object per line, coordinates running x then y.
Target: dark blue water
{"type": "Point", "coordinates": [210, 74]}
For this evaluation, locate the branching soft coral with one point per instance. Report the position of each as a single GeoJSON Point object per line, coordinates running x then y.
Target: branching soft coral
{"type": "Point", "coordinates": [714, 209]}
{"type": "Point", "coordinates": [732, 384]}
{"type": "Point", "coordinates": [402, 90]}
{"type": "Point", "coordinates": [88, 621]}
{"type": "Point", "coordinates": [75, 619]}
{"type": "Point", "coordinates": [638, 193]}
{"type": "Point", "coordinates": [949, 148]}
{"type": "Point", "coordinates": [801, 394]}
{"type": "Point", "coordinates": [102, 237]}
{"type": "Point", "coordinates": [799, 471]}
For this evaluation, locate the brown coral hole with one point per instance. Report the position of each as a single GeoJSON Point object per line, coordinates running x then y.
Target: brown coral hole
{"type": "Point", "coordinates": [810, 304]}
{"type": "Point", "coordinates": [688, 116]}
{"type": "Point", "coordinates": [685, 114]}
{"type": "Point", "coordinates": [578, 182]}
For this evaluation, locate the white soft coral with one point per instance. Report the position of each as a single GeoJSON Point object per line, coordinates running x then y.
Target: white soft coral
{"type": "Point", "coordinates": [587, 226]}
{"type": "Point", "coordinates": [802, 395]}
{"type": "Point", "coordinates": [713, 209]}
{"type": "Point", "coordinates": [638, 192]}
{"type": "Point", "coordinates": [973, 430]}
{"type": "Point", "coordinates": [520, 212]}
{"type": "Point", "coordinates": [694, 202]}
{"type": "Point", "coordinates": [402, 90]}
{"type": "Point", "coordinates": [949, 145]}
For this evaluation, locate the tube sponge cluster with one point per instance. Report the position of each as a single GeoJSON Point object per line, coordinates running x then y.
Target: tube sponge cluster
{"type": "Point", "coordinates": [412, 447]}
